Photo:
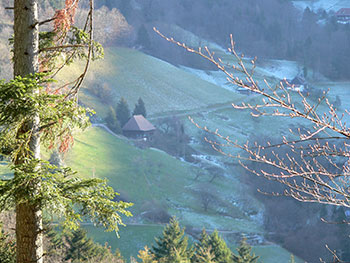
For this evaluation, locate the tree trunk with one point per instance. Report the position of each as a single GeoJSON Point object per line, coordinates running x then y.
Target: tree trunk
{"type": "Point", "coordinates": [26, 47]}
{"type": "Point", "coordinates": [26, 41]}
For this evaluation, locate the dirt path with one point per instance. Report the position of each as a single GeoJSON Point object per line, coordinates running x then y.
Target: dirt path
{"type": "Point", "coordinates": [203, 110]}
{"type": "Point", "coordinates": [103, 126]}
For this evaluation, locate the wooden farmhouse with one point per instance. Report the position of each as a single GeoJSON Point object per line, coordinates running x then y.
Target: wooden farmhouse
{"type": "Point", "coordinates": [138, 127]}
{"type": "Point", "coordinates": [343, 15]}
{"type": "Point", "coordinates": [297, 84]}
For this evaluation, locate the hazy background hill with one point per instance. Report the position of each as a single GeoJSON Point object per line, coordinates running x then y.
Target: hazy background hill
{"type": "Point", "coordinates": [267, 29]}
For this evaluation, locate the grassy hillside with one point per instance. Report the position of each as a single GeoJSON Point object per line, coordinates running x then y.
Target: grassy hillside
{"type": "Point", "coordinates": [152, 178]}
{"type": "Point", "coordinates": [134, 238]}
{"type": "Point", "coordinates": [155, 181]}
{"type": "Point", "coordinates": [162, 86]}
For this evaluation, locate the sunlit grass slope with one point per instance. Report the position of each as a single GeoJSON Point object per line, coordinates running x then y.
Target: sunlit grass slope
{"type": "Point", "coordinates": [163, 87]}
{"type": "Point", "coordinates": [134, 238]}
{"type": "Point", "coordinates": [148, 176]}
{"type": "Point", "coordinates": [151, 177]}
{"type": "Point", "coordinates": [140, 175]}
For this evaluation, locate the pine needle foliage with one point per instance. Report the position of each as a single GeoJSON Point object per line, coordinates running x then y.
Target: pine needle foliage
{"type": "Point", "coordinates": [245, 254]}
{"type": "Point", "coordinates": [37, 182]}
{"type": "Point", "coordinates": [175, 257]}
{"type": "Point", "coordinates": [205, 255]}
{"type": "Point", "coordinates": [146, 256]}
{"type": "Point", "coordinates": [24, 97]}
{"type": "Point", "coordinates": [112, 121]}
{"type": "Point", "coordinates": [219, 248]}
{"type": "Point", "coordinates": [203, 251]}
{"type": "Point", "coordinates": [82, 248]}
{"type": "Point", "coordinates": [35, 114]}
{"type": "Point", "coordinates": [123, 111]}
{"type": "Point", "coordinates": [140, 108]}
{"type": "Point", "coordinates": [173, 245]}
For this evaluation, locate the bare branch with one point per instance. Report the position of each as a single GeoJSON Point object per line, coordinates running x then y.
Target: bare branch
{"type": "Point", "coordinates": [302, 172]}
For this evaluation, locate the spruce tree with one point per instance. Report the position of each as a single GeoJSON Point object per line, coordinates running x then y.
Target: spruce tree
{"type": "Point", "coordinates": [175, 257]}
{"type": "Point", "coordinates": [202, 248]}
{"type": "Point", "coordinates": [140, 108]}
{"type": "Point", "coordinates": [172, 246]}
{"type": "Point", "coordinates": [219, 248]}
{"type": "Point", "coordinates": [204, 255]}
{"type": "Point", "coordinates": [56, 243]}
{"type": "Point", "coordinates": [112, 121]}
{"type": "Point", "coordinates": [204, 239]}
{"type": "Point", "coordinates": [244, 253]}
{"type": "Point", "coordinates": [122, 111]}
{"type": "Point", "coordinates": [82, 248]}
{"type": "Point", "coordinates": [35, 113]}
{"type": "Point", "coordinates": [143, 38]}
{"type": "Point", "coordinates": [146, 256]}
{"type": "Point", "coordinates": [211, 249]}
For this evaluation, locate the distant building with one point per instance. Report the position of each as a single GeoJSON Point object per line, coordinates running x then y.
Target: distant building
{"type": "Point", "coordinates": [297, 84]}
{"type": "Point", "coordinates": [138, 127]}
{"type": "Point", "coordinates": [343, 15]}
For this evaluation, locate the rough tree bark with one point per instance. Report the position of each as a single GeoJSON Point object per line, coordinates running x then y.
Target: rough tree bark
{"type": "Point", "coordinates": [26, 49]}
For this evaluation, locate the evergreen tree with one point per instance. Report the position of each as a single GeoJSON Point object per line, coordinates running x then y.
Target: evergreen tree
{"type": "Point", "coordinates": [143, 38]}
{"type": "Point", "coordinates": [56, 159]}
{"type": "Point", "coordinates": [146, 256]}
{"type": "Point", "coordinates": [202, 249]}
{"type": "Point", "coordinates": [219, 248]}
{"type": "Point", "coordinates": [82, 248]}
{"type": "Point", "coordinates": [140, 108]}
{"type": "Point", "coordinates": [56, 239]}
{"type": "Point", "coordinates": [205, 255]}
{"type": "Point", "coordinates": [172, 246]}
{"type": "Point", "coordinates": [118, 256]}
{"type": "Point", "coordinates": [204, 239]}
{"type": "Point", "coordinates": [35, 114]}
{"type": "Point", "coordinates": [175, 257]}
{"type": "Point", "coordinates": [305, 72]}
{"type": "Point", "coordinates": [112, 121]}
{"type": "Point", "coordinates": [211, 249]}
{"type": "Point", "coordinates": [123, 112]}
{"type": "Point", "coordinates": [244, 253]}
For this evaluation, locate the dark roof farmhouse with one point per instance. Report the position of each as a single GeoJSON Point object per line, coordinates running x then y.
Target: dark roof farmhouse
{"type": "Point", "coordinates": [137, 127]}
{"type": "Point", "coordinates": [297, 84]}
{"type": "Point", "coordinates": [343, 15]}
